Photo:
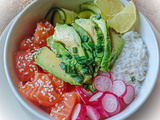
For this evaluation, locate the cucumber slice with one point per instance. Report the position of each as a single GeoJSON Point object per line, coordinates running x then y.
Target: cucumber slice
{"type": "Point", "coordinates": [91, 6]}
{"type": "Point", "coordinates": [86, 13]}
{"type": "Point", "coordinates": [61, 16]}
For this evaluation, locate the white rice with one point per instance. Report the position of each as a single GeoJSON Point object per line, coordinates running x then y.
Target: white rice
{"type": "Point", "coordinates": [133, 61]}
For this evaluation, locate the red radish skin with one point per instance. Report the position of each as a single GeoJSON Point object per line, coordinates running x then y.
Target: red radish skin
{"type": "Point", "coordinates": [102, 83]}
{"type": "Point", "coordinates": [119, 88]}
{"type": "Point", "coordinates": [101, 110]}
{"type": "Point", "coordinates": [79, 112]}
{"type": "Point", "coordinates": [118, 110]}
{"type": "Point", "coordinates": [123, 105]}
{"type": "Point", "coordinates": [128, 98]}
{"type": "Point", "coordinates": [108, 74]}
{"type": "Point", "coordinates": [110, 102]}
{"type": "Point", "coordinates": [92, 113]}
{"type": "Point", "coordinates": [86, 92]}
{"type": "Point", "coordinates": [82, 95]}
{"type": "Point", "coordinates": [96, 98]}
{"type": "Point", "coordinates": [87, 119]}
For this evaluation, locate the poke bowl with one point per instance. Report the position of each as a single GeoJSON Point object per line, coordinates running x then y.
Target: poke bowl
{"type": "Point", "coordinates": [55, 67]}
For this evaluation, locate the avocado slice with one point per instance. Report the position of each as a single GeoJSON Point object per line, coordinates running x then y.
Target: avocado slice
{"type": "Point", "coordinates": [47, 60]}
{"type": "Point", "coordinates": [117, 44]}
{"type": "Point", "coordinates": [67, 35]}
{"type": "Point", "coordinates": [58, 48]}
{"type": "Point", "coordinates": [95, 33]}
{"type": "Point", "coordinates": [82, 33]}
{"type": "Point", "coordinates": [107, 44]}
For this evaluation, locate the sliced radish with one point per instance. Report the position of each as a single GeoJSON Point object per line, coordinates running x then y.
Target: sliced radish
{"type": "Point", "coordinates": [118, 110]}
{"type": "Point", "coordinates": [102, 83]}
{"type": "Point", "coordinates": [96, 98]}
{"type": "Point", "coordinates": [86, 92]}
{"type": "Point", "coordinates": [92, 113]}
{"type": "Point", "coordinates": [128, 98]}
{"type": "Point", "coordinates": [79, 112]}
{"type": "Point", "coordinates": [110, 102]}
{"type": "Point", "coordinates": [82, 95]}
{"type": "Point", "coordinates": [101, 110]}
{"type": "Point", "coordinates": [87, 118]}
{"type": "Point", "coordinates": [119, 88]}
{"type": "Point", "coordinates": [108, 74]}
{"type": "Point", "coordinates": [123, 105]}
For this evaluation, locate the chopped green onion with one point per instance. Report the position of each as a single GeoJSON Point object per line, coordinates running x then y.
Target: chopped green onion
{"type": "Point", "coordinates": [66, 68]}
{"type": "Point", "coordinates": [98, 46]}
{"type": "Point", "coordinates": [133, 79]}
{"type": "Point", "coordinates": [76, 56]}
{"type": "Point", "coordinates": [94, 54]}
{"type": "Point", "coordinates": [85, 38]}
{"type": "Point", "coordinates": [73, 74]}
{"type": "Point", "coordinates": [78, 79]}
{"type": "Point", "coordinates": [69, 56]}
{"type": "Point", "coordinates": [58, 55]}
{"type": "Point", "coordinates": [84, 70]}
{"type": "Point", "coordinates": [85, 46]}
{"type": "Point", "coordinates": [74, 49]}
{"type": "Point", "coordinates": [80, 76]}
{"type": "Point", "coordinates": [62, 65]}
{"type": "Point", "coordinates": [85, 86]}
{"type": "Point", "coordinates": [91, 44]}
{"type": "Point", "coordinates": [98, 16]}
{"type": "Point", "coordinates": [92, 88]}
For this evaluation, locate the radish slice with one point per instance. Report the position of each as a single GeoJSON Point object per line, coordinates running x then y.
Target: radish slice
{"type": "Point", "coordinates": [79, 112]}
{"type": "Point", "coordinates": [96, 98]}
{"type": "Point", "coordinates": [108, 74]}
{"type": "Point", "coordinates": [86, 92]}
{"type": "Point", "coordinates": [92, 113]}
{"type": "Point", "coordinates": [87, 119]}
{"type": "Point", "coordinates": [102, 83]}
{"type": "Point", "coordinates": [82, 96]}
{"type": "Point", "coordinates": [110, 102]}
{"type": "Point", "coordinates": [101, 110]}
{"type": "Point", "coordinates": [128, 98]}
{"type": "Point", "coordinates": [118, 110]}
{"type": "Point", "coordinates": [119, 88]}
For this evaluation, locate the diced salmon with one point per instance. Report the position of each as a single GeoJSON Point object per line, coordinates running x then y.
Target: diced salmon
{"type": "Point", "coordinates": [63, 109]}
{"type": "Point", "coordinates": [41, 90]}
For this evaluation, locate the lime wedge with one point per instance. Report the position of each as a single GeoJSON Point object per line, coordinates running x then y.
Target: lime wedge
{"type": "Point", "coordinates": [109, 8]}
{"type": "Point", "coordinates": [125, 19]}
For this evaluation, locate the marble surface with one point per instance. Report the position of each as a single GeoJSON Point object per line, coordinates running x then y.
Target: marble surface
{"type": "Point", "coordinates": [150, 110]}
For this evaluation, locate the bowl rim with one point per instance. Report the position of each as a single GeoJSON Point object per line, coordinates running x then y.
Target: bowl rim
{"type": "Point", "coordinates": [25, 105]}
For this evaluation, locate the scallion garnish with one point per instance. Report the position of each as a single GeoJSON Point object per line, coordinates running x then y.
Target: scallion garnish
{"type": "Point", "coordinates": [85, 38]}
{"type": "Point", "coordinates": [66, 68]}
{"type": "Point", "coordinates": [98, 16]}
{"type": "Point", "coordinates": [76, 56]}
{"type": "Point", "coordinates": [84, 70]}
{"type": "Point", "coordinates": [78, 79]}
{"type": "Point", "coordinates": [58, 55]}
{"type": "Point", "coordinates": [85, 86]}
{"type": "Point", "coordinates": [69, 56]}
{"type": "Point", "coordinates": [62, 65]}
{"type": "Point", "coordinates": [94, 54]}
{"type": "Point", "coordinates": [91, 44]}
{"type": "Point", "coordinates": [74, 49]}
{"type": "Point", "coordinates": [73, 74]}
{"type": "Point", "coordinates": [85, 46]}
{"type": "Point", "coordinates": [133, 79]}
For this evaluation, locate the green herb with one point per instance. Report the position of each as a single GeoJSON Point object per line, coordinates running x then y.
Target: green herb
{"type": "Point", "coordinates": [85, 86]}
{"type": "Point", "coordinates": [91, 87]}
{"type": "Point", "coordinates": [66, 68]}
{"type": "Point", "coordinates": [91, 44]}
{"type": "Point", "coordinates": [85, 38]}
{"type": "Point", "coordinates": [69, 56]}
{"type": "Point", "coordinates": [133, 79]}
{"type": "Point", "coordinates": [78, 79]}
{"type": "Point", "coordinates": [84, 70]}
{"type": "Point", "coordinates": [74, 49]}
{"type": "Point", "coordinates": [85, 46]}
{"type": "Point", "coordinates": [58, 55]}
{"type": "Point", "coordinates": [98, 16]}
{"type": "Point", "coordinates": [73, 74]}
{"type": "Point", "coordinates": [80, 76]}
{"type": "Point", "coordinates": [62, 65]}
{"type": "Point", "coordinates": [76, 56]}
{"type": "Point", "coordinates": [94, 54]}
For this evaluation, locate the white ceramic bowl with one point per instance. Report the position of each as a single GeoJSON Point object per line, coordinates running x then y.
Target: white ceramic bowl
{"type": "Point", "coordinates": [25, 24]}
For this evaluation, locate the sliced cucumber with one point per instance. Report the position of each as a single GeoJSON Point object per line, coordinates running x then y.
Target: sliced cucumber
{"type": "Point", "coordinates": [61, 16]}
{"type": "Point", "coordinates": [91, 6]}
{"type": "Point", "coordinates": [86, 13]}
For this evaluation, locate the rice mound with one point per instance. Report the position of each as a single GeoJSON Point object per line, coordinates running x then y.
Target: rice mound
{"type": "Point", "coordinates": [132, 62]}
